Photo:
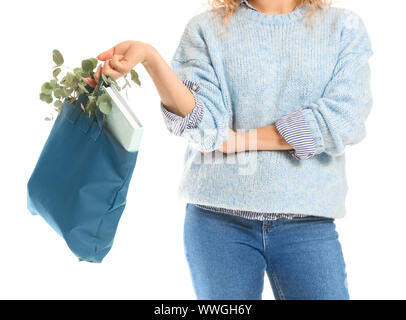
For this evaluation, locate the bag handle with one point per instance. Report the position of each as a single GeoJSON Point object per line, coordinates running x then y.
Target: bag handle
{"type": "Point", "coordinates": [98, 114]}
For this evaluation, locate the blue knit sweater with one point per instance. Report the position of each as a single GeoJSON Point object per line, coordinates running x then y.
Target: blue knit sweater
{"type": "Point", "coordinates": [313, 84]}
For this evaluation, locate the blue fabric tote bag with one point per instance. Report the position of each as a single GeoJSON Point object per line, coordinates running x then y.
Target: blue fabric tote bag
{"type": "Point", "coordinates": [80, 182]}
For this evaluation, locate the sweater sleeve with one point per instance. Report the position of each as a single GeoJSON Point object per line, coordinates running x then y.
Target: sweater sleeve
{"type": "Point", "coordinates": [206, 126]}
{"type": "Point", "coordinates": [338, 117]}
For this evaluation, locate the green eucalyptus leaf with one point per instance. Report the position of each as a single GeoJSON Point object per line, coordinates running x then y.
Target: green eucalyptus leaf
{"type": "Point", "coordinates": [127, 83]}
{"type": "Point", "coordinates": [87, 66]}
{"type": "Point", "coordinates": [47, 118]}
{"type": "Point", "coordinates": [64, 93]}
{"type": "Point", "coordinates": [94, 62]}
{"type": "Point", "coordinates": [53, 83]}
{"type": "Point", "coordinates": [69, 78]}
{"type": "Point", "coordinates": [58, 103]}
{"type": "Point", "coordinates": [104, 103]}
{"type": "Point", "coordinates": [104, 97]}
{"type": "Point", "coordinates": [46, 88]}
{"type": "Point", "coordinates": [57, 57]}
{"type": "Point", "coordinates": [91, 106]}
{"type": "Point", "coordinates": [58, 92]}
{"type": "Point", "coordinates": [135, 78]}
{"type": "Point", "coordinates": [77, 78]}
{"type": "Point", "coordinates": [46, 98]}
{"type": "Point", "coordinates": [105, 107]}
{"type": "Point", "coordinates": [78, 72]}
{"type": "Point", "coordinates": [56, 72]}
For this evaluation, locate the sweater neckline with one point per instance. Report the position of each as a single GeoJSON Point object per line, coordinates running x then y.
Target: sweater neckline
{"type": "Point", "coordinates": [272, 18]}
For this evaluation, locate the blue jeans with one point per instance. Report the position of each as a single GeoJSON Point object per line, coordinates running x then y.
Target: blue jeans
{"type": "Point", "coordinates": [228, 256]}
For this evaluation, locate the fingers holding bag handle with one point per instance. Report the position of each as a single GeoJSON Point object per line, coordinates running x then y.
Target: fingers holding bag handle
{"type": "Point", "coordinates": [107, 70]}
{"type": "Point", "coordinates": [120, 64]}
{"type": "Point", "coordinates": [120, 60]}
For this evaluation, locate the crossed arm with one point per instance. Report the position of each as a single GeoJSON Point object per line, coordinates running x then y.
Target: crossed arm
{"type": "Point", "coordinates": [266, 138]}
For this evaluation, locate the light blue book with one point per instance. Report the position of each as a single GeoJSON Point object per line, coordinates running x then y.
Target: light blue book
{"type": "Point", "coordinates": [122, 122]}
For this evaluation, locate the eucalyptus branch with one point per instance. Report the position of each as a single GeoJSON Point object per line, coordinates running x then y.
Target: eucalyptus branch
{"type": "Point", "coordinates": [71, 86]}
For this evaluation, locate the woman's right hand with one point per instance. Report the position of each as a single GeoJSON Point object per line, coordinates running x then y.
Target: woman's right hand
{"type": "Point", "coordinates": [119, 60]}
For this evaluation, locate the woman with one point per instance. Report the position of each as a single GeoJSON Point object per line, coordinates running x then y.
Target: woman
{"type": "Point", "coordinates": [267, 105]}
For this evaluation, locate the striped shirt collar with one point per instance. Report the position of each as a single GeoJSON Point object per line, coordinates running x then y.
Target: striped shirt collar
{"type": "Point", "coordinates": [245, 2]}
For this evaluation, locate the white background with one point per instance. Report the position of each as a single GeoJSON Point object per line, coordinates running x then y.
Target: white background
{"type": "Point", "coordinates": [147, 259]}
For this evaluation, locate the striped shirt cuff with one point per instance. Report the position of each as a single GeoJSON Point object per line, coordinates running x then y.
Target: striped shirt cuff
{"type": "Point", "coordinates": [295, 130]}
{"type": "Point", "coordinates": [177, 124]}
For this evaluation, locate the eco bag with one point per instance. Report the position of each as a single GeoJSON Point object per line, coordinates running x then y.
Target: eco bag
{"type": "Point", "coordinates": [80, 182]}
